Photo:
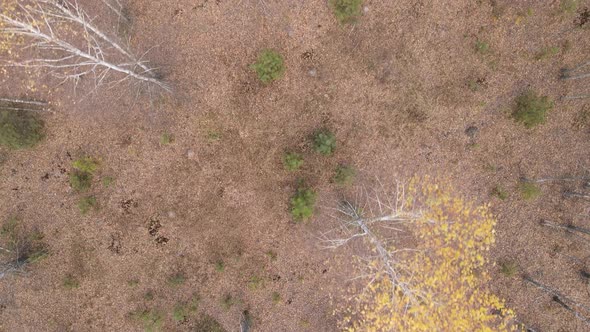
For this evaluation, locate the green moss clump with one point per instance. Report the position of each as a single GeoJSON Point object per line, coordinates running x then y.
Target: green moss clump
{"type": "Point", "coordinates": [269, 66]}
{"type": "Point", "coordinates": [20, 129]}
{"type": "Point", "coordinates": [346, 11]}
{"type": "Point", "coordinates": [303, 204]}
{"type": "Point", "coordinates": [531, 109]}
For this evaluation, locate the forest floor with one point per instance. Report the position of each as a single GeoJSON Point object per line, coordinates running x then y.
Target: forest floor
{"type": "Point", "coordinates": [199, 205]}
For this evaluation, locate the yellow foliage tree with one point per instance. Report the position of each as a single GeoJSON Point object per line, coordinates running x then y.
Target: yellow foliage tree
{"type": "Point", "coordinates": [437, 284]}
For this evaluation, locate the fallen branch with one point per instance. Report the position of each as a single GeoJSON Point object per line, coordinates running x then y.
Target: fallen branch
{"type": "Point", "coordinates": [569, 227]}
{"type": "Point", "coordinates": [556, 179]}
{"type": "Point", "coordinates": [574, 194]}
{"type": "Point", "coordinates": [561, 299]}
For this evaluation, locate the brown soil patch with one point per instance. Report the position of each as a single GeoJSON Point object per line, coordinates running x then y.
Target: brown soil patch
{"type": "Point", "coordinates": [404, 91]}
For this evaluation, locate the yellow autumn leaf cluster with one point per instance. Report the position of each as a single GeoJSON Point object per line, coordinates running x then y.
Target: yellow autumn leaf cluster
{"type": "Point", "coordinates": [445, 273]}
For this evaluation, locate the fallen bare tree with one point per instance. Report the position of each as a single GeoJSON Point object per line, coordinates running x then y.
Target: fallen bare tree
{"type": "Point", "coordinates": [424, 245]}
{"type": "Point", "coordinates": [71, 45]}
{"type": "Point", "coordinates": [14, 104]}
{"type": "Point", "coordinates": [577, 308]}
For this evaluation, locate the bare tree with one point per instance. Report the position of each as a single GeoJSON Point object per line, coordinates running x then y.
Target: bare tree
{"type": "Point", "coordinates": [366, 216]}
{"type": "Point", "coordinates": [55, 28]}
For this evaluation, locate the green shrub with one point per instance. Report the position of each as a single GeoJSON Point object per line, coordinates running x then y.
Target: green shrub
{"type": "Point", "coordinates": [23, 245]}
{"type": "Point", "coordinates": [292, 161]}
{"type": "Point", "coordinates": [228, 301]}
{"type": "Point", "coordinates": [324, 142]}
{"type": "Point", "coordinates": [344, 175]}
{"type": "Point", "coordinates": [166, 138]}
{"type": "Point", "coordinates": [38, 253]}
{"type": "Point", "coordinates": [509, 268]}
{"type": "Point", "coordinates": [208, 324]}
{"type": "Point", "coordinates": [269, 66]}
{"type": "Point", "coordinates": [346, 11]}
{"type": "Point", "coordinates": [70, 282]}
{"type": "Point", "coordinates": [582, 119]}
{"type": "Point", "coordinates": [499, 192]}
{"type": "Point", "coordinates": [271, 255]}
{"type": "Point", "coordinates": [214, 136]}
{"type": "Point", "coordinates": [255, 283]}
{"type": "Point", "coordinates": [529, 190]}
{"type": "Point", "coordinates": [547, 53]}
{"type": "Point", "coordinates": [86, 204]}
{"type": "Point", "coordinates": [531, 109]}
{"type": "Point", "coordinates": [11, 232]}
{"type": "Point", "coordinates": [179, 313]}
{"type": "Point", "coordinates": [149, 295]}
{"type": "Point", "coordinates": [80, 181]}
{"type": "Point", "coordinates": [302, 204]}
{"type": "Point", "coordinates": [107, 181]}
{"type": "Point", "coordinates": [20, 129]}
{"type": "Point", "coordinates": [276, 297]}
{"type": "Point", "coordinates": [151, 319]}
{"type": "Point", "coordinates": [176, 279]}
{"type": "Point", "coordinates": [482, 47]}
{"type": "Point", "coordinates": [219, 266]}
{"type": "Point", "coordinates": [86, 164]}
{"type": "Point", "coordinates": [81, 177]}
{"type": "Point", "coordinates": [569, 6]}
{"type": "Point", "coordinates": [183, 310]}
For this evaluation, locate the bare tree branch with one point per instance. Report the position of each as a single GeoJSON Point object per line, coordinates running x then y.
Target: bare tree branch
{"type": "Point", "coordinates": [40, 24]}
{"type": "Point", "coordinates": [361, 218]}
